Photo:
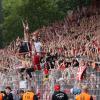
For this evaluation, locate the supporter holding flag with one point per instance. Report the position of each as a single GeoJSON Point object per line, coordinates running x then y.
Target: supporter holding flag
{"type": "Point", "coordinates": [81, 71]}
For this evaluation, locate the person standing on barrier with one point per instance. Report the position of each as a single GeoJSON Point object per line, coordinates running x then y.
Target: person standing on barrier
{"type": "Point", "coordinates": [58, 95]}
{"type": "Point", "coordinates": [84, 95]}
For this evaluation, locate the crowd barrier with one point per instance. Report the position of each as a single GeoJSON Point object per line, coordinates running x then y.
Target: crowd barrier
{"type": "Point", "coordinates": [45, 88]}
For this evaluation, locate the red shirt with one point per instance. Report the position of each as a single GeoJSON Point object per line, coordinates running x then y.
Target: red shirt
{"type": "Point", "coordinates": [36, 59]}
{"type": "Point", "coordinates": [46, 72]}
{"type": "Point", "coordinates": [36, 62]}
{"type": "Point", "coordinates": [99, 49]}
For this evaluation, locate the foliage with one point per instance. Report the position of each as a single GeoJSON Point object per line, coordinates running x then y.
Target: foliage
{"type": "Point", "coordinates": [37, 12]}
{"type": "Point", "coordinates": [1, 19]}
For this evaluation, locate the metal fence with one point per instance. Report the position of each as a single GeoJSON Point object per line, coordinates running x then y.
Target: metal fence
{"type": "Point", "coordinates": [45, 86]}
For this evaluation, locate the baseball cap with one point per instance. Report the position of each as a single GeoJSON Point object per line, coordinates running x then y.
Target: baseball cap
{"type": "Point", "coordinates": [57, 87]}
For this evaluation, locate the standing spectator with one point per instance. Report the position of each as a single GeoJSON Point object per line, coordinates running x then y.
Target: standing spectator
{"type": "Point", "coordinates": [36, 61]}
{"type": "Point", "coordinates": [21, 92]}
{"type": "Point", "coordinates": [3, 93]}
{"type": "Point", "coordinates": [76, 90]}
{"type": "Point", "coordinates": [29, 95]}
{"type": "Point", "coordinates": [38, 46]}
{"type": "Point", "coordinates": [8, 95]}
{"type": "Point", "coordinates": [1, 96]}
{"type": "Point", "coordinates": [15, 95]}
{"type": "Point", "coordinates": [58, 95]}
{"type": "Point", "coordinates": [84, 95]}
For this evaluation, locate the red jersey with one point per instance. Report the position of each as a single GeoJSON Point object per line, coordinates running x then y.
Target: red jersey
{"type": "Point", "coordinates": [46, 72]}
{"type": "Point", "coordinates": [36, 62]}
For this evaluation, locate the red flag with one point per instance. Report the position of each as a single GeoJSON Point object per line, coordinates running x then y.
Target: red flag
{"type": "Point", "coordinates": [80, 72]}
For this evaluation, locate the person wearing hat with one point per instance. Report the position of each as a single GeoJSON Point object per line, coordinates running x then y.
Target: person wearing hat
{"type": "Point", "coordinates": [84, 95]}
{"type": "Point", "coordinates": [9, 95]}
{"type": "Point", "coordinates": [58, 95]}
{"type": "Point", "coordinates": [76, 90]}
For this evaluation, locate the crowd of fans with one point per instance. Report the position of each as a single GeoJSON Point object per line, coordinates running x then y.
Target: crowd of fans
{"type": "Point", "coordinates": [60, 54]}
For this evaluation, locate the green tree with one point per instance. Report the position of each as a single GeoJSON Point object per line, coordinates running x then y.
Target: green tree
{"type": "Point", "coordinates": [12, 26]}
{"type": "Point", "coordinates": [1, 20]}
{"type": "Point", "coordinates": [40, 12]}
{"type": "Point", "coordinates": [37, 12]}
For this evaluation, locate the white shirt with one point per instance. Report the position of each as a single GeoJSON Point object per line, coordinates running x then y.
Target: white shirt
{"type": "Point", "coordinates": [38, 46]}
